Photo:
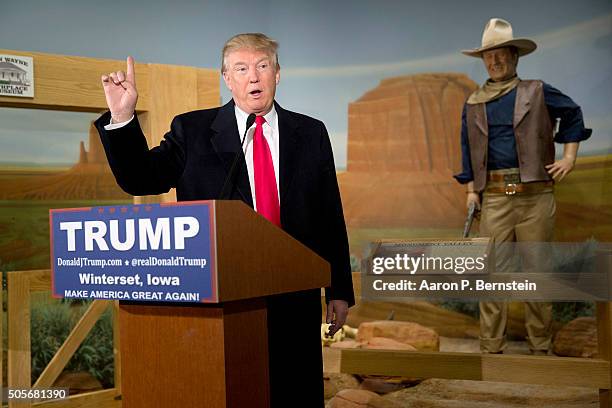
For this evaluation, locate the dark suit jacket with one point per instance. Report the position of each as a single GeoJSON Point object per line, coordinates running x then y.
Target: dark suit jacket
{"type": "Point", "coordinates": [195, 157]}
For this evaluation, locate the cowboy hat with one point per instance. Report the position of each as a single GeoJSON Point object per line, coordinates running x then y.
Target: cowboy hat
{"type": "Point", "coordinates": [498, 33]}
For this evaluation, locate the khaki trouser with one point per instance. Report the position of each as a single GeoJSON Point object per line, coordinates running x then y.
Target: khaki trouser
{"type": "Point", "coordinates": [517, 218]}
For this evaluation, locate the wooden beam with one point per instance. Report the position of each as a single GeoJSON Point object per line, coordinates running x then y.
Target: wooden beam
{"type": "Point", "coordinates": [604, 343]}
{"type": "Point", "coordinates": [97, 399]}
{"type": "Point", "coordinates": [116, 347]}
{"type": "Point", "coordinates": [71, 344]}
{"type": "Point", "coordinates": [545, 370]}
{"type": "Point", "coordinates": [604, 326]}
{"type": "Point", "coordinates": [81, 89]}
{"type": "Point", "coordinates": [331, 359]}
{"type": "Point", "coordinates": [175, 92]}
{"type": "Point", "coordinates": [1, 333]}
{"type": "Point", "coordinates": [19, 347]}
{"type": "Point", "coordinates": [208, 88]}
{"type": "Point", "coordinates": [412, 364]}
{"type": "Point", "coordinates": [40, 279]}
{"type": "Point", "coordinates": [71, 83]}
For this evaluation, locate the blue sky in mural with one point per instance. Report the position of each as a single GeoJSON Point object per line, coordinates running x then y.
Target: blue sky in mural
{"type": "Point", "coordinates": [331, 52]}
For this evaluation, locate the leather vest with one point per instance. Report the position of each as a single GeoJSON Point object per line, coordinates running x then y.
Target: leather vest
{"type": "Point", "coordinates": [533, 132]}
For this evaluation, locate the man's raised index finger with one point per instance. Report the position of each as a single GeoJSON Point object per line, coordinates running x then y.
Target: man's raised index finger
{"type": "Point", "coordinates": [130, 70]}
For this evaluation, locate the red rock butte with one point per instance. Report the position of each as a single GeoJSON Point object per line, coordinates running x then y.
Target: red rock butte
{"type": "Point", "coordinates": [403, 148]}
{"type": "Point", "coordinates": [89, 179]}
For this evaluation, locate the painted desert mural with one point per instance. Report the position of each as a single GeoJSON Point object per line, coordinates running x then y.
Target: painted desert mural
{"type": "Point", "coordinates": [28, 191]}
{"type": "Point", "coordinates": [402, 150]}
{"type": "Point", "coordinates": [404, 147]}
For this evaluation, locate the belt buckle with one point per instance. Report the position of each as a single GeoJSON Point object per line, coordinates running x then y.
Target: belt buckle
{"type": "Point", "coordinates": [512, 178]}
{"type": "Point", "coordinates": [510, 189]}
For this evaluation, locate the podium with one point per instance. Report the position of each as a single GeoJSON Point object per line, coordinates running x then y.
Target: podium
{"type": "Point", "coordinates": [216, 354]}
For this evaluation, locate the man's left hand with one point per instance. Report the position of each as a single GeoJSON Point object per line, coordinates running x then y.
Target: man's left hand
{"type": "Point", "coordinates": [337, 311]}
{"type": "Point", "coordinates": [561, 168]}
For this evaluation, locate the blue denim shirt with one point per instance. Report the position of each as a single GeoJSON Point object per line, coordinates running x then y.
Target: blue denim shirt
{"type": "Point", "coordinates": [502, 144]}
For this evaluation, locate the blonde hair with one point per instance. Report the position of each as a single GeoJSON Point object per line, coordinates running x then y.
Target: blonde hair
{"type": "Point", "coordinates": [253, 41]}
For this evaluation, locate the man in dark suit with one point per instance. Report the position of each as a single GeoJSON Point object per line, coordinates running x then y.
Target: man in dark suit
{"type": "Point", "coordinates": [285, 172]}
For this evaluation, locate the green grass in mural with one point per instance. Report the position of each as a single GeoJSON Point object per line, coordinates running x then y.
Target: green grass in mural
{"type": "Point", "coordinates": [24, 231]}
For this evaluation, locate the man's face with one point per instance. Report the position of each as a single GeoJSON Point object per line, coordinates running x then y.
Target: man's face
{"type": "Point", "coordinates": [251, 76]}
{"type": "Point", "coordinates": [500, 63]}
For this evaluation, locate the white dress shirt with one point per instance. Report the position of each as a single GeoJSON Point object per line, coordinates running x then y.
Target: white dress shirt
{"type": "Point", "coordinates": [270, 131]}
{"type": "Point", "coordinates": [271, 134]}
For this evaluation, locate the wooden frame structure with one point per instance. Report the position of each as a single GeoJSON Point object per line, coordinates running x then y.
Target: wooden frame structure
{"type": "Point", "coordinates": [73, 84]}
{"type": "Point", "coordinates": [21, 285]}
{"type": "Point", "coordinates": [70, 83]}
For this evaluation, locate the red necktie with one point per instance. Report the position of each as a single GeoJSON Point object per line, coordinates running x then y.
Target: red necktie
{"type": "Point", "coordinates": [266, 192]}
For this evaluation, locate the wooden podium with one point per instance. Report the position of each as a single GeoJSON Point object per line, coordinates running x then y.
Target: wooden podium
{"type": "Point", "coordinates": [216, 354]}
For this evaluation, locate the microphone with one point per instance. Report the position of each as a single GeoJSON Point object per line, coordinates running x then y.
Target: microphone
{"type": "Point", "coordinates": [229, 180]}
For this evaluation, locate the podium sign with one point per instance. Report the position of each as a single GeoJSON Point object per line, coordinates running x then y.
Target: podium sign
{"type": "Point", "coordinates": [150, 252]}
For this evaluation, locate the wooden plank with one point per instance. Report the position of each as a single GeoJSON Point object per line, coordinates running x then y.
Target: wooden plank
{"type": "Point", "coordinates": [19, 351]}
{"type": "Point", "coordinates": [331, 359]}
{"type": "Point", "coordinates": [604, 325]}
{"type": "Point", "coordinates": [97, 399]}
{"type": "Point", "coordinates": [604, 341]}
{"type": "Point", "coordinates": [73, 83]}
{"type": "Point", "coordinates": [40, 280]}
{"type": "Point", "coordinates": [117, 346]}
{"type": "Point", "coordinates": [81, 90]}
{"type": "Point", "coordinates": [594, 373]}
{"type": "Point", "coordinates": [411, 364]}
{"type": "Point", "coordinates": [604, 398]}
{"type": "Point", "coordinates": [71, 344]}
{"type": "Point", "coordinates": [547, 370]}
{"type": "Point", "coordinates": [208, 89]}
{"type": "Point", "coordinates": [1, 333]}
{"type": "Point", "coordinates": [175, 92]}
{"type": "Point", "coordinates": [145, 124]}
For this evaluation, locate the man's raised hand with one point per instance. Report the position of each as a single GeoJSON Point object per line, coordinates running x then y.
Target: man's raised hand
{"type": "Point", "coordinates": [120, 92]}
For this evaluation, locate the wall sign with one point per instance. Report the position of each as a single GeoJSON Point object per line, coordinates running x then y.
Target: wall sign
{"type": "Point", "coordinates": [16, 76]}
{"type": "Point", "coordinates": [151, 252]}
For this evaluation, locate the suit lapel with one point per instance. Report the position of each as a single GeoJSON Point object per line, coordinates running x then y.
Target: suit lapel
{"type": "Point", "coordinates": [287, 129]}
{"type": "Point", "coordinates": [226, 143]}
